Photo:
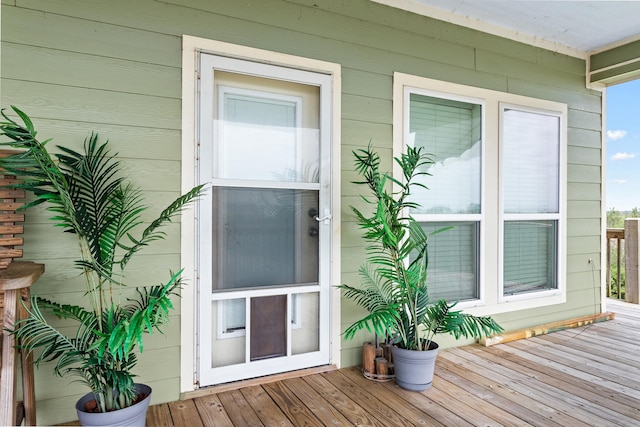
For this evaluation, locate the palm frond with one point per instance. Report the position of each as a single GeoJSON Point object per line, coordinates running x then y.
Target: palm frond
{"type": "Point", "coordinates": [443, 319]}
{"type": "Point", "coordinates": [145, 314]}
{"type": "Point", "coordinates": [36, 332]}
{"type": "Point", "coordinates": [393, 286]}
{"type": "Point", "coordinates": [42, 176]}
{"type": "Point", "coordinates": [89, 197]}
{"type": "Point", "coordinates": [152, 233]}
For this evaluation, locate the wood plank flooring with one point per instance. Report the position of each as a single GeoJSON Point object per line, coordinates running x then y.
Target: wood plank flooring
{"type": "Point", "coordinates": [588, 376]}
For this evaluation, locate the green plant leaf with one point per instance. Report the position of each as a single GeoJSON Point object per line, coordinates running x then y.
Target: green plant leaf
{"type": "Point", "coordinates": [393, 282]}
{"type": "Point", "coordinates": [91, 199]}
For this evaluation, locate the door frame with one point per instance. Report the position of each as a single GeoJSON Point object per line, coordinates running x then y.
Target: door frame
{"type": "Point", "coordinates": [191, 49]}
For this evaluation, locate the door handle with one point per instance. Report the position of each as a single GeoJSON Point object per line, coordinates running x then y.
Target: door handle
{"type": "Point", "coordinates": [325, 219]}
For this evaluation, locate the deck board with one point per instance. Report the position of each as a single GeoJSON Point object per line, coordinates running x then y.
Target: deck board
{"type": "Point", "coordinates": [577, 387]}
{"type": "Point", "coordinates": [351, 410]}
{"type": "Point", "coordinates": [238, 409]}
{"type": "Point", "coordinates": [184, 413]}
{"type": "Point", "coordinates": [391, 400]}
{"type": "Point", "coordinates": [159, 415]}
{"type": "Point", "coordinates": [326, 413]}
{"type": "Point", "coordinates": [522, 379]}
{"type": "Point", "coordinates": [586, 376]}
{"type": "Point", "coordinates": [266, 409]}
{"type": "Point", "coordinates": [291, 405]}
{"type": "Point", "coordinates": [425, 403]}
{"type": "Point", "coordinates": [500, 395]}
{"type": "Point", "coordinates": [377, 406]}
{"type": "Point", "coordinates": [211, 411]}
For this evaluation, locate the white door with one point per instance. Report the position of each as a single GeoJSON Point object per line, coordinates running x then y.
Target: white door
{"type": "Point", "coordinates": [264, 228]}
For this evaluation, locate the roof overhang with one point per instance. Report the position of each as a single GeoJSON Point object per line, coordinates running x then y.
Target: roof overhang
{"type": "Point", "coordinates": [604, 33]}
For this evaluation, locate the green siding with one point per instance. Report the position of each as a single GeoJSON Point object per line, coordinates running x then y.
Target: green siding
{"type": "Point", "coordinates": [114, 67]}
{"type": "Point", "coordinates": [610, 57]}
{"type": "Point", "coordinates": [66, 68]}
{"type": "Point", "coordinates": [616, 65]}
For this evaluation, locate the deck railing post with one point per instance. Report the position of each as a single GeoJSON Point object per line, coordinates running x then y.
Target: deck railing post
{"type": "Point", "coordinates": [615, 241]}
{"type": "Point", "coordinates": [632, 259]}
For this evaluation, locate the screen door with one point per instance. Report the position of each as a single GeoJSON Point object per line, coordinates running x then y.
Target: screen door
{"type": "Point", "coordinates": [264, 228]}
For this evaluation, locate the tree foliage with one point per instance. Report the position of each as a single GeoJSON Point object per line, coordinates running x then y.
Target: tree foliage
{"type": "Point", "coordinates": [615, 218]}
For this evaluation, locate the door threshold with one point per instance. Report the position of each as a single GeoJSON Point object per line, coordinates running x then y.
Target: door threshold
{"type": "Point", "coordinates": [219, 388]}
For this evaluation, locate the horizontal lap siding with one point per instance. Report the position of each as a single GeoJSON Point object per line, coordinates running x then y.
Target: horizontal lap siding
{"type": "Point", "coordinates": [114, 67]}
{"type": "Point", "coordinates": [75, 75]}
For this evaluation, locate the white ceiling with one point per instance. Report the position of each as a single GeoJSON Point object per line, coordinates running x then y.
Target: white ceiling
{"type": "Point", "coordinates": [575, 27]}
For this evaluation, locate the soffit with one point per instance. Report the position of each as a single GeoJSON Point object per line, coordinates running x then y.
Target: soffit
{"type": "Point", "coordinates": [577, 28]}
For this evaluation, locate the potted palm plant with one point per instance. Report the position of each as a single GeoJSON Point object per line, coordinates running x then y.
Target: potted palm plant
{"type": "Point", "coordinates": [91, 200]}
{"type": "Point", "coordinates": [394, 285]}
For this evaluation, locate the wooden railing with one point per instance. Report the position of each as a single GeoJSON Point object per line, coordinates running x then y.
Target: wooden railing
{"type": "Point", "coordinates": [615, 262]}
{"type": "Point", "coordinates": [623, 260]}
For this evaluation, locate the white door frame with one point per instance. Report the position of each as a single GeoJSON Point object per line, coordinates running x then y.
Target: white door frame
{"type": "Point", "coordinates": [192, 47]}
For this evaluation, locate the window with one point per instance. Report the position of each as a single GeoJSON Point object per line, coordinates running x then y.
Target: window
{"type": "Point", "coordinates": [450, 130]}
{"type": "Point", "coordinates": [498, 181]}
{"type": "Point", "coordinates": [530, 144]}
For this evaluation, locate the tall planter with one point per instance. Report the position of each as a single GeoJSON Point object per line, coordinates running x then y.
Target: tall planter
{"type": "Point", "coordinates": [134, 415]}
{"type": "Point", "coordinates": [414, 368]}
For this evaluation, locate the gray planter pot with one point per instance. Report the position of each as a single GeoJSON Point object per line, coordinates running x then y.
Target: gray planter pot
{"type": "Point", "coordinates": [134, 416]}
{"type": "Point", "coordinates": [413, 368]}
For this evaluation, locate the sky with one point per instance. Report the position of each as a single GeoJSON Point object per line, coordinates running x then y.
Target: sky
{"type": "Point", "coordinates": [623, 146]}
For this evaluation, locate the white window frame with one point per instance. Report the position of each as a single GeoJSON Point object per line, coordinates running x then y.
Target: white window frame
{"type": "Point", "coordinates": [559, 216]}
{"type": "Point", "coordinates": [491, 300]}
{"type": "Point", "coordinates": [445, 218]}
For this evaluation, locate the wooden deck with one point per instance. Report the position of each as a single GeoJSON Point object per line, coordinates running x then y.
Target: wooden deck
{"type": "Point", "coordinates": [588, 376]}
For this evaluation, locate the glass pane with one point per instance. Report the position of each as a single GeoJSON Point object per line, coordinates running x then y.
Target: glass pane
{"type": "Point", "coordinates": [305, 321]}
{"type": "Point", "coordinates": [530, 252]}
{"type": "Point", "coordinates": [228, 319]}
{"type": "Point", "coordinates": [453, 261]}
{"type": "Point", "coordinates": [262, 136]}
{"type": "Point", "coordinates": [451, 132]}
{"type": "Point", "coordinates": [233, 319]}
{"type": "Point", "coordinates": [531, 162]}
{"type": "Point", "coordinates": [264, 237]}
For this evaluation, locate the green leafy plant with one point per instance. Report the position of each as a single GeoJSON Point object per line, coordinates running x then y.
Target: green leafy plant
{"type": "Point", "coordinates": [92, 200]}
{"type": "Point", "coordinates": [394, 285]}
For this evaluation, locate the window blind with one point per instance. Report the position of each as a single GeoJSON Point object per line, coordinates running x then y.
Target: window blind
{"type": "Point", "coordinates": [530, 251]}
{"type": "Point", "coordinates": [451, 132]}
{"type": "Point", "coordinates": [453, 261]}
{"type": "Point", "coordinates": [531, 155]}
{"type": "Point", "coordinates": [531, 183]}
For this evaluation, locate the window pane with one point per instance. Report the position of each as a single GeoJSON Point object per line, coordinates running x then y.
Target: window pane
{"type": "Point", "coordinates": [228, 332]}
{"type": "Point", "coordinates": [261, 137]}
{"type": "Point", "coordinates": [531, 162]}
{"type": "Point", "coordinates": [305, 323]}
{"type": "Point", "coordinates": [453, 261]}
{"type": "Point", "coordinates": [264, 237]}
{"type": "Point", "coordinates": [451, 132]}
{"type": "Point", "coordinates": [530, 253]}
{"type": "Point", "coordinates": [234, 315]}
